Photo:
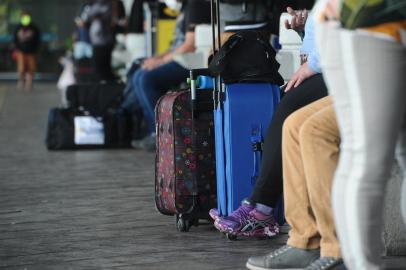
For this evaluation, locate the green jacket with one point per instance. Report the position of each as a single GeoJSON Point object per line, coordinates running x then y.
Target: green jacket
{"type": "Point", "coordinates": [363, 13]}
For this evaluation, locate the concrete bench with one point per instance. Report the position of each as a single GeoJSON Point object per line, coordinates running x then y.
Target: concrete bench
{"type": "Point", "coordinates": [289, 55]}
{"type": "Point", "coordinates": [203, 44]}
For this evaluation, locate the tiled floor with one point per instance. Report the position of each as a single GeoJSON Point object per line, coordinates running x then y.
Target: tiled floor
{"type": "Point", "coordinates": [93, 209]}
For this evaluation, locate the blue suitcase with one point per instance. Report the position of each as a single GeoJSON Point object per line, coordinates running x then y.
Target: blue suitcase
{"type": "Point", "coordinates": [242, 112]}
{"type": "Point", "coordinates": [241, 119]}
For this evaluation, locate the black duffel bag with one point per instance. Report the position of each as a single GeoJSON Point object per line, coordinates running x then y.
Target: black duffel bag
{"type": "Point", "coordinates": [95, 104]}
{"type": "Point", "coordinates": [95, 97]}
{"type": "Point", "coordinates": [246, 57]}
{"type": "Point", "coordinates": [115, 129]}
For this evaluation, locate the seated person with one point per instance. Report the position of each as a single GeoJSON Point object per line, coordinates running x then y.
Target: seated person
{"type": "Point", "coordinates": [307, 85]}
{"type": "Point", "coordinates": [310, 149]}
{"type": "Point", "coordinates": [313, 134]}
{"type": "Point", "coordinates": [161, 73]}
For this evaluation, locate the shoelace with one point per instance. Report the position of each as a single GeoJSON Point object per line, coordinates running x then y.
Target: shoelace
{"type": "Point", "coordinates": [252, 223]}
{"type": "Point", "coordinates": [279, 251]}
{"type": "Point", "coordinates": [242, 214]}
{"type": "Point", "coordinates": [262, 222]}
{"type": "Point", "coordinates": [323, 263]}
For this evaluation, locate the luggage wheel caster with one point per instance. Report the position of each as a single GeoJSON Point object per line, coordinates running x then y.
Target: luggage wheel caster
{"type": "Point", "coordinates": [182, 224]}
{"type": "Point", "coordinates": [231, 237]}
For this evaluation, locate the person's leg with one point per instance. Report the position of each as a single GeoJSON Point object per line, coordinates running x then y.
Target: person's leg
{"type": "Point", "coordinates": [269, 187]}
{"type": "Point", "coordinates": [328, 41]}
{"type": "Point", "coordinates": [98, 61]}
{"type": "Point", "coordinates": [109, 75]}
{"type": "Point", "coordinates": [319, 145]}
{"type": "Point", "coordinates": [130, 107]}
{"type": "Point", "coordinates": [31, 67]}
{"type": "Point", "coordinates": [150, 85]}
{"type": "Point", "coordinates": [102, 62]}
{"type": "Point", "coordinates": [376, 70]}
{"type": "Point", "coordinates": [304, 240]}
{"type": "Point", "coordinates": [304, 232]}
{"type": "Point", "coordinates": [20, 70]}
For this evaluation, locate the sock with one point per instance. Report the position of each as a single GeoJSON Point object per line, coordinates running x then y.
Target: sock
{"type": "Point", "coordinates": [264, 209]}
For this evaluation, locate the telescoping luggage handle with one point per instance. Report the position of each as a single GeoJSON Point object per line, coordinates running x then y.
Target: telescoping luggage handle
{"type": "Point", "coordinates": [194, 73]}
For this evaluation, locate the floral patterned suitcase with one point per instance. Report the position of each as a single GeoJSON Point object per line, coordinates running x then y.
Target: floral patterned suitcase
{"type": "Point", "coordinates": [185, 184]}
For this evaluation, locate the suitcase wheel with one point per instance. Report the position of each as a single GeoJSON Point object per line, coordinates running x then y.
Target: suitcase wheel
{"type": "Point", "coordinates": [183, 224]}
{"type": "Point", "coordinates": [231, 237]}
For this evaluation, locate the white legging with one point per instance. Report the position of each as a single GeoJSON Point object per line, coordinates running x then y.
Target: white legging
{"type": "Point", "coordinates": [366, 75]}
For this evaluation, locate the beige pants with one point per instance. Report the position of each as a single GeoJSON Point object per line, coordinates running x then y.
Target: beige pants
{"type": "Point", "coordinates": [310, 149]}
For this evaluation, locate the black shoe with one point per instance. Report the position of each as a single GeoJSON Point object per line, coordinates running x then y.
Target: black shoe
{"type": "Point", "coordinates": [147, 143]}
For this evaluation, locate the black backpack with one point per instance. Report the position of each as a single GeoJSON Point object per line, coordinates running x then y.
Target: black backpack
{"type": "Point", "coordinates": [246, 57]}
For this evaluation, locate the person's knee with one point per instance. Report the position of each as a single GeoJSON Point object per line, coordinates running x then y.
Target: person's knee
{"type": "Point", "coordinates": [148, 78]}
{"type": "Point", "coordinates": [321, 127]}
{"type": "Point", "coordinates": [292, 125]}
{"type": "Point", "coordinates": [307, 132]}
{"type": "Point", "coordinates": [136, 78]}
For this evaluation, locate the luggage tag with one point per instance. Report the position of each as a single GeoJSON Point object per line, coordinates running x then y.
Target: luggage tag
{"type": "Point", "coordinates": [88, 130]}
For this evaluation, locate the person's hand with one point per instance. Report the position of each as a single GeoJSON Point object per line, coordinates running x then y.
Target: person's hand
{"type": "Point", "coordinates": [152, 62]}
{"type": "Point", "coordinates": [303, 73]}
{"type": "Point", "coordinates": [331, 10]}
{"type": "Point", "coordinates": [298, 20]}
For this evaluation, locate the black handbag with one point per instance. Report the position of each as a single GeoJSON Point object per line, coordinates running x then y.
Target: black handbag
{"type": "Point", "coordinates": [246, 57]}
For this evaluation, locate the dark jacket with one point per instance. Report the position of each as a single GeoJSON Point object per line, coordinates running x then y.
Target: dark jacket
{"type": "Point", "coordinates": [106, 18]}
{"type": "Point", "coordinates": [27, 39]}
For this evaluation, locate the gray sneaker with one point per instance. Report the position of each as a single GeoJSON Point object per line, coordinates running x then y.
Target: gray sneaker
{"type": "Point", "coordinates": [147, 143]}
{"type": "Point", "coordinates": [284, 258]}
{"type": "Point", "coordinates": [327, 263]}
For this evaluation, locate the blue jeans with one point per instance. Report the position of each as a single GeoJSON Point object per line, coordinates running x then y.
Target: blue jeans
{"type": "Point", "coordinates": [150, 85]}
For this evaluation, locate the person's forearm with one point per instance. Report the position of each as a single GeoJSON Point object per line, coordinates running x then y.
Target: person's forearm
{"type": "Point", "coordinates": [162, 55]}
{"type": "Point", "coordinates": [187, 46]}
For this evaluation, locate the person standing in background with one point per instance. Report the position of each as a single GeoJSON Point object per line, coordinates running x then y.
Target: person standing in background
{"type": "Point", "coordinates": [27, 40]}
{"type": "Point", "coordinates": [106, 18]}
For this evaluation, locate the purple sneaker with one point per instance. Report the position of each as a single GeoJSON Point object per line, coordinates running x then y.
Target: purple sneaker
{"type": "Point", "coordinates": [214, 214]}
{"type": "Point", "coordinates": [248, 221]}
{"type": "Point", "coordinates": [235, 221]}
{"type": "Point", "coordinates": [260, 225]}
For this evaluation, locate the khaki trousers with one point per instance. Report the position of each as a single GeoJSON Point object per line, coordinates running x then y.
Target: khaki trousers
{"type": "Point", "coordinates": [310, 149]}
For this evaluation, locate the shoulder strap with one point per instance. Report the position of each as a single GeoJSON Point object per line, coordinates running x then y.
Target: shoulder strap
{"type": "Point", "coordinates": [220, 59]}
